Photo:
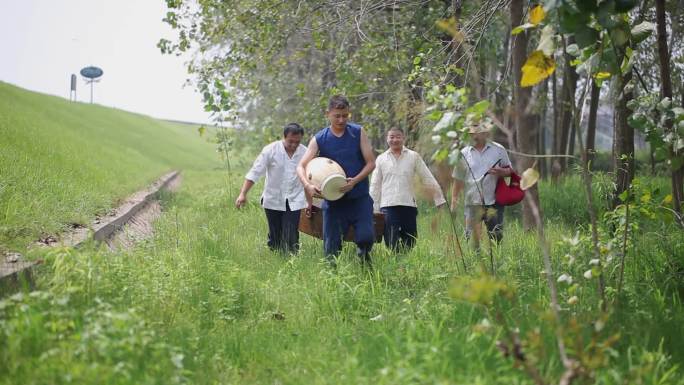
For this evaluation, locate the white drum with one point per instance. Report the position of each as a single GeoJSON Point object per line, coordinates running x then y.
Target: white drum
{"type": "Point", "coordinates": [328, 176]}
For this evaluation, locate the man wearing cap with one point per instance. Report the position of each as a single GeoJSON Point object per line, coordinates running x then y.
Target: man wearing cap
{"type": "Point", "coordinates": [283, 197]}
{"type": "Point", "coordinates": [392, 186]}
{"type": "Point", "coordinates": [476, 174]}
{"type": "Point", "coordinates": [347, 144]}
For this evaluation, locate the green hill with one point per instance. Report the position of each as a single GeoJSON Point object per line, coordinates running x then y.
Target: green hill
{"type": "Point", "coordinates": [63, 162]}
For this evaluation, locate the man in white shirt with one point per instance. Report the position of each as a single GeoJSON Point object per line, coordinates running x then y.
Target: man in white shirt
{"type": "Point", "coordinates": [476, 174]}
{"type": "Point", "coordinates": [283, 197]}
{"type": "Point", "coordinates": [392, 190]}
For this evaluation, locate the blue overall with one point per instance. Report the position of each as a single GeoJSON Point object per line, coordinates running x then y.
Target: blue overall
{"type": "Point", "coordinates": [355, 208]}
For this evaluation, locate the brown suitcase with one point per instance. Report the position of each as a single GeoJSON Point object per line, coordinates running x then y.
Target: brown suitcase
{"type": "Point", "coordinates": [314, 225]}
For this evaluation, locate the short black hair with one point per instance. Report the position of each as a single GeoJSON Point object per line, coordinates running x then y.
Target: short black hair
{"type": "Point", "coordinates": [394, 128]}
{"type": "Point", "coordinates": [338, 102]}
{"type": "Point", "coordinates": [293, 128]}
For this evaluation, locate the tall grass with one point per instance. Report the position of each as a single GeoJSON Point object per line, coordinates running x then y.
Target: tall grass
{"type": "Point", "coordinates": [204, 301]}
{"type": "Point", "coordinates": [63, 162]}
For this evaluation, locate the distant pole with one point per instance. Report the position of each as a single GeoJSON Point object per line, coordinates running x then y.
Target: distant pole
{"type": "Point", "coordinates": [91, 90]}
{"type": "Point", "coordinates": [72, 92]}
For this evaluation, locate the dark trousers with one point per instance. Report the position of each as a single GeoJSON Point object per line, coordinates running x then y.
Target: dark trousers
{"type": "Point", "coordinates": [338, 216]}
{"type": "Point", "coordinates": [283, 229]}
{"type": "Point", "coordinates": [400, 227]}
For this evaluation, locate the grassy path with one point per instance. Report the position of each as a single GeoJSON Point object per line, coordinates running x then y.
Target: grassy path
{"type": "Point", "coordinates": [205, 302]}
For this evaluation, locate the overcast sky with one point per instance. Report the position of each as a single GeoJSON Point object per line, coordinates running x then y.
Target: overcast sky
{"type": "Point", "coordinates": [44, 41]}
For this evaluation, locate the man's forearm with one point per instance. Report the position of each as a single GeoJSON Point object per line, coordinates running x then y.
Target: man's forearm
{"type": "Point", "coordinates": [301, 173]}
{"type": "Point", "coordinates": [365, 171]}
{"type": "Point", "coordinates": [455, 192]}
{"type": "Point", "coordinates": [246, 186]}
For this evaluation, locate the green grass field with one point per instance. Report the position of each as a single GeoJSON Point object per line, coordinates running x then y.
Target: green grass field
{"type": "Point", "coordinates": [205, 302]}
{"type": "Point", "coordinates": [63, 162]}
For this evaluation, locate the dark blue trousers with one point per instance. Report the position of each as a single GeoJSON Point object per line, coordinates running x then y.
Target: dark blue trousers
{"type": "Point", "coordinates": [400, 227]}
{"type": "Point", "coordinates": [338, 216]}
{"type": "Point", "coordinates": [283, 229]}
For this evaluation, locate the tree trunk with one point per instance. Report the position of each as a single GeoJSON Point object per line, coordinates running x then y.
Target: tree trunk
{"type": "Point", "coordinates": [666, 92]}
{"type": "Point", "coordinates": [555, 163]}
{"type": "Point", "coordinates": [566, 108]}
{"type": "Point", "coordinates": [523, 123]}
{"type": "Point", "coordinates": [623, 140]}
{"type": "Point", "coordinates": [591, 124]}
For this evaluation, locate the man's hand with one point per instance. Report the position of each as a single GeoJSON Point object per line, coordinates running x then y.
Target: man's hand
{"type": "Point", "coordinates": [313, 191]}
{"type": "Point", "coordinates": [350, 185]}
{"type": "Point", "coordinates": [454, 205]}
{"type": "Point", "coordinates": [310, 210]}
{"type": "Point", "coordinates": [241, 200]}
{"type": "Point", "coordinates": [500, 172]}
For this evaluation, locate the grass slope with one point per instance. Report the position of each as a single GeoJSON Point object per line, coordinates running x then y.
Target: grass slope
{"type": "Point", "coordinates": [63, 162]}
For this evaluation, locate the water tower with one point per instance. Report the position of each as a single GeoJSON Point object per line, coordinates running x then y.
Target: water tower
{"type": "Point", "coordinates": [91, 75]}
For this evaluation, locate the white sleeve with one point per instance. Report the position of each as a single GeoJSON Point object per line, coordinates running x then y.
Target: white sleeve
{"type": "Point", "coordinates": [505, 161]}
{"type": "Point", "coordinates": [429, 180]}
{"type": "Point", "coordinates": [260, 164]}
{"type": "Point", "coordinates": [376, 188]}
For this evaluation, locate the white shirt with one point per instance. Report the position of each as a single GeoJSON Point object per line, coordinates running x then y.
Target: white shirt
{"type": "Point", "coordinates": [392, 181]}
{"type": "Point", "coordinates": [480, 162]}
{"type": "Point", "coordinates": [282, 182]}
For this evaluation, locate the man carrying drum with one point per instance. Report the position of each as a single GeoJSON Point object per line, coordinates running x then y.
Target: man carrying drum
{"type": "Point", "coordinates": [283, 197]}
{"type": "Point", "coordinates": [347, 144]}
{"type": "Point", "coordinates": [391, 188]}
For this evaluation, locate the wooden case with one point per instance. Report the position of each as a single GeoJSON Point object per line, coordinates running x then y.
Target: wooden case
{"type": "Point", "coordinates": [314, 225]}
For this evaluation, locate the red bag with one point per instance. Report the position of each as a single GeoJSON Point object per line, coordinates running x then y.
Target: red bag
{"type": "Point", "coordinates": [511, 193]}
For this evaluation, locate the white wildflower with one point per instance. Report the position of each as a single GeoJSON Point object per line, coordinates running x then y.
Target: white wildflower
{"type": "Point", "coordinates": [565, 278]}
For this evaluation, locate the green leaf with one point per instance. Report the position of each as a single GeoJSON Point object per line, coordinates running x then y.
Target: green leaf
{"type": "Point", "coordinates": [522, 28]}
{"type": "Point", "coordinates": [624, 195]}
{"type": "Point", "coordinates": [638, 121]}
{"type": "Point", "coordinates": [619, 36]}
{"type": "Point", "coordinates": [479, 108]}
{"type": "Point", "coordinates": [623, 6]}
{"type": "Point", "coordinates": [605, 14]}
{"type": "Point", "coordinates": [641, 31]}
{"type": "Point", "coordinates": [572, 21]}
{"type": "Point", "coordinates": [586, 5]}
{"type": "Point", "coordinates": [573, 49]}
{"type": "Point", "coordinates": [440, 155]}
{"type": "Point", "coordinates": [434, 115]}
{"type": "Point", "coordinates": [586, 37]}
{"type": "Point", "coordinates": [660, 154]}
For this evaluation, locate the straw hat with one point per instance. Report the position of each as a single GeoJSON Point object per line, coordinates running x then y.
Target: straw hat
{"type": "Point", "coordinates": [477, 128]}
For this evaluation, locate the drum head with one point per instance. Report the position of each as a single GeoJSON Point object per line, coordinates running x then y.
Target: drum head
{"type": "Point", "coordinates": [320, 168]}
{"type": "Point", "coordinates": [330, 188]}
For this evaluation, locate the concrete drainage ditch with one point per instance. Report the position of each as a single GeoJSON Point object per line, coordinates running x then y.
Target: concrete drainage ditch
{"type": "Point", "coordinates": [122, 227]}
